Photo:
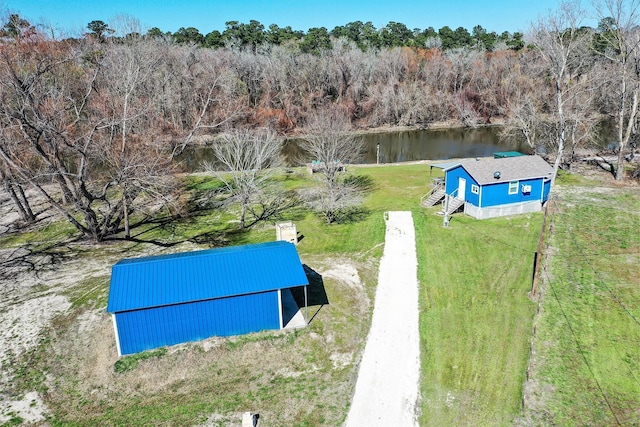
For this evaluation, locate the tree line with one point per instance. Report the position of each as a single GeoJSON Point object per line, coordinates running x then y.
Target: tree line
{"type": "Point", "coordinates": [93, 125]}
{"type": "Point", "coordinates": [364, 35]}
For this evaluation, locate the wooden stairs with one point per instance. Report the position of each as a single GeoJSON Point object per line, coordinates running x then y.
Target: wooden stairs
{"type": "Point", "coordinates": [430, 199]}
{"type": "Point", "coordinates": [453, 205]}
{"type": "Point", "coordinates": [450, 202]}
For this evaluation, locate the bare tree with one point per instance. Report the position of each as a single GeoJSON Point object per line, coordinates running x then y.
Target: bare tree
{"type": "Point", "coordinates": [245, 161]}
{"type": "Point", "coordinates": [619, 39]}
{"type": "Point", "coordinates": [16, 191]}
{"type": "Point", "coordinates": [561, 45]}
{"type": "Point", "coordinates": [330, 145]}
{"type": "Point", "coordinates": [525, 121]}
{"type": "Point", "coordinates": [44, 100]}
{"type": "Point", "coordinates": [101, 125]}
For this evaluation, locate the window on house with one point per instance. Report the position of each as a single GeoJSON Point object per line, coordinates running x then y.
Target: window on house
{"type": "Point", "coordinates": [474, 189]}
{"type": "Point", "coordinates": [513, 187]}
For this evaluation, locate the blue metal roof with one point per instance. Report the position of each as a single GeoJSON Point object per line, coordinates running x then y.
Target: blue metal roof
{"type": "Point", "coordinates": [202, 275]}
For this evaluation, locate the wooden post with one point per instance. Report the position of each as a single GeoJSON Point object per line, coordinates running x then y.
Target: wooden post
{"type": "Point", "coordinates": [378, 154]}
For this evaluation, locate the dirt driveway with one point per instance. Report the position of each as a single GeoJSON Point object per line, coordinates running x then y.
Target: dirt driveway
{"type": "Point", "coordinates": [387, 387]}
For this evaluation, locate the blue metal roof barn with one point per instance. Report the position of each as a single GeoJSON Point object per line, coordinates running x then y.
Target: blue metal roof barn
{"type": "Point", "coordinates": [170, 299]}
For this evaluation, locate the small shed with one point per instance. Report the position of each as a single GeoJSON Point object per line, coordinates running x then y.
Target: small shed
{"type": "Point", "coordinates": [500, 186]}
{"type": "Point", "coordinates": [170, 299]}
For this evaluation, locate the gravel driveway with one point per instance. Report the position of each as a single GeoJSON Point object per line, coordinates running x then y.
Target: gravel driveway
{"type": "Point", "coordinates": [387, 387]}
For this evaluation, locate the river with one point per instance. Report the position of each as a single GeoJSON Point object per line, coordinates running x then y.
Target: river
{"type": "Point", "coordinates": [400, 146]}
{"type": "Point", "coordinates": [440, 144]}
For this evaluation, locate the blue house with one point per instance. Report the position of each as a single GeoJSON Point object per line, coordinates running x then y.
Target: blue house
{"type": "Point", "coordinates": [494, 187]}
{"type": "Point", "coordinates": [169, 299]}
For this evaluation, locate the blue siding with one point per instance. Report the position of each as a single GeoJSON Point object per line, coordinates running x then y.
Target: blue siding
{"type": "Point", "coordinates": [140, 330]}
{"type": "Point", "coordinates": [498, 194]}
{"type": "Point", "coordinates": [451, 184]}
{"type": "Point", "coordinates": [547, 189]}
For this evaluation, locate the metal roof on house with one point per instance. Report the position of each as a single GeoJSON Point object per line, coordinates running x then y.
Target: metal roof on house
{"type": "Point", "coordinates": [203, 275]}
{"type": "Point", "coordinates": [444, 166]}
{"type": "Point", "coordinates": [510, 168]}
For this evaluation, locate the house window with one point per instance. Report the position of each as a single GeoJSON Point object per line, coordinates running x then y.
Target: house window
{"type": "Point", "coordinates": [513, 187]}
{"type": "Point", "coordinates": [474, 189]}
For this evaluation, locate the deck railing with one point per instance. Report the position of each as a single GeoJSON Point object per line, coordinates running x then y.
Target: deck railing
{"type": "Point", "coordinates": [436, 184]}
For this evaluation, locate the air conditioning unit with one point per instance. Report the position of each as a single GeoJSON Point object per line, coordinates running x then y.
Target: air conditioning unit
{"type": "Point", "coordinates": [526, 189]}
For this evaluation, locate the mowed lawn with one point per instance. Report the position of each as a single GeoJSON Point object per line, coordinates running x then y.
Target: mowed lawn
{"type": "Point", "coordinates": [588, 340]}
{"type": "Point", "coordinates": [476, 317]}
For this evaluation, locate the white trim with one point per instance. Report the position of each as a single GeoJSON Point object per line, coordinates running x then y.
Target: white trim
{"type": "Point", "coordinates": [280, 307]}
{"type": "Point", "coordinates": [476, 188]}
{"type": "Point", "coordinates": [517, 187]}
{"type": "Point", "coordinates": [115, 329]}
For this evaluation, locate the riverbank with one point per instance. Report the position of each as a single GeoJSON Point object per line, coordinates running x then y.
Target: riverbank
{"type": "Point", "coordinates": [385, 129]}
{"type": "Point", "coordinates": [444, 125]}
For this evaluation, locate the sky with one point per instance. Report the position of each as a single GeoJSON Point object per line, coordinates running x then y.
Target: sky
{"type": "Point", "coordinates": [70, 17]}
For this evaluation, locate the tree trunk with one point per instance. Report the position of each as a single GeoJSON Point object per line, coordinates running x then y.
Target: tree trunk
{"type": "Point", "coordinates": [125, 212]}
{"type": "Point", "coordinates": [21, 204]}
{"type": "Point", "coordinates": [243, 212]}
{"type": "Point", "coordinates": [561, 133]}
{"type": "Point", "coordinates": [19, 198]}
{"type": "Point", "coordinates": [624, 134]}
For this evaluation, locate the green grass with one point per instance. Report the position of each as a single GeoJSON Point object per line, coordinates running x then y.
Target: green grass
{"type": "Point", "coordinates": [476, 318]}
{"type": "Point", "coordinates": [39, 236]}
{"type": "Point", "coordinates": [589, 334]}
{"type": "Point", "coordinates": [92, 292]}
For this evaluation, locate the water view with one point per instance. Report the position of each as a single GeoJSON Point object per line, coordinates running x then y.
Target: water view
{"type": "Point", "coordinates": [402, 146]}
{"type": "Point", "coordinates": [437, 144]}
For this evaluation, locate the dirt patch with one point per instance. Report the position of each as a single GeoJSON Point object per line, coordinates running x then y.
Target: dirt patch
{"type": "Point", "coordinates": [30, 409]}
{"type": "Point", "coordinates": [22, 325]}
{"type": "Point", "coordinates": [344, 273]}
{"type": "Point", "coordinates": [271, 373]}
{"type": "Point", "coordinates": [290, 378]}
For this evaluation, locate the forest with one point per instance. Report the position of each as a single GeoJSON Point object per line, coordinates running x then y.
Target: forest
{"type": "Point", "coordinates": [94, 124]}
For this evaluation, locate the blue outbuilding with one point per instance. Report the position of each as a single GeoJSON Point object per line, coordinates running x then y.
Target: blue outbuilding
{"type": "Point", "coordinates": [493, 187]}
{"type": "Point", "coordinates": [170, 299]}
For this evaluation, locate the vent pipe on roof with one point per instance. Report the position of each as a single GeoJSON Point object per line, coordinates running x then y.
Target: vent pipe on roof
{"type": "Point", "coordinates": [496, 174]}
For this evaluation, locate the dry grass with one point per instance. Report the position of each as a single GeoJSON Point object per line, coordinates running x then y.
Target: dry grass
{"type": "Point", "coordinates": [302, 377]}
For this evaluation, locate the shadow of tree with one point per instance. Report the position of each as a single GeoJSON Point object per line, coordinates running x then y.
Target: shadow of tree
{"type": "Point", "coordinates": [351, 215]}
{"type": "Point", "coordinates": [37, 258]}
{"type": "Point", "coordinates": [364, 183]}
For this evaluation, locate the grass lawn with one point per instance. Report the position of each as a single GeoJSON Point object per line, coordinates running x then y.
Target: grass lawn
{"type": "Point", "coordinates": [587, 369]}
{"type": "Point", "coordinates": [476, 317]}
{"type": "Point", "coordinates": [476, 322]}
